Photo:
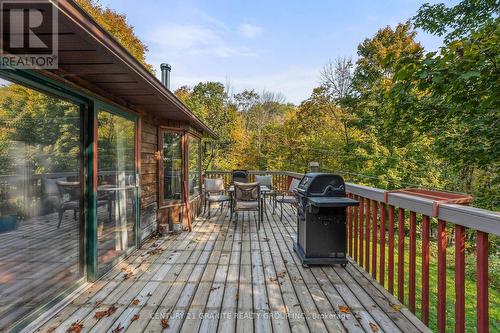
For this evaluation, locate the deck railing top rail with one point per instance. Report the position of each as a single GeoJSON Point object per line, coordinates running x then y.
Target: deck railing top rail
{"type": "Point", "coordinates": [469, 217]}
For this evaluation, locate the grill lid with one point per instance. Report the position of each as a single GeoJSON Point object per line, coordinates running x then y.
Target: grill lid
{"type": "Point", "coordinates": [322, 185]}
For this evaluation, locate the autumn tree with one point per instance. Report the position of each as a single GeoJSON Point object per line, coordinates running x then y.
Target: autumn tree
{"type": "Point", "coordinates": [116, 24]}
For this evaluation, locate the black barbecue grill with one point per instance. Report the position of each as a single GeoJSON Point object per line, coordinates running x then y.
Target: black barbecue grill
{"type": "Point", "coordinates": [321, 219]}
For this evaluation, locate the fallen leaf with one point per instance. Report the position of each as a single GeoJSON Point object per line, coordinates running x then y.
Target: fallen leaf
{"type": "Point", "coordinates": [273, 279]}
{"type": "Point", "coordinates": [373, 327]}
{"type": "Point", "coordinates": [134, 318]}
{"type": "Point", "coordinates": [100, 314]}
{"type": "Point", "coordinates": [135, 302]}
{"type": "Point", "coordinates": [281, 274]}
{"type": "Point", "coordinates": [344, 309]}
{"type": "Point", "coordinates": [214, 288]}
{"type": "Point", "coordinates": [164, 323]}
{"type": "Point", "coordinates": [118, 328]}
{"type": "Point", "coordinates": [396, 307]}
{"type": "Point", "coordinates": [112, 309]}
{"type": "Point", "coordinates": [76, 327]}
{"type": "Point", "coordinates": [51, 329]}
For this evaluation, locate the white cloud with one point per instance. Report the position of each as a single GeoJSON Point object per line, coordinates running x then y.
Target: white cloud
{"type": "Point", "coordinates": [249, 30]}
{"type": "Point", "coordinates": [195, 39]}
{"type": "Point", "coordinates": [295, 83]}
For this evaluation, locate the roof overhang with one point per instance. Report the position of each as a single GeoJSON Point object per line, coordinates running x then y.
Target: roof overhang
{"type": "Point", "coordinates": [91, 58]}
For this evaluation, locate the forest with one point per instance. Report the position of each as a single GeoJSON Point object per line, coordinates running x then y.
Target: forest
{"type": "Point", "coordinates": [395, 117]}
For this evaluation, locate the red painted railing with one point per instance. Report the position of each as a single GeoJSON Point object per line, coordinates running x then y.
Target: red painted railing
{"type": "Point", "coordinates": [413, 212]}
{"type": "Point", "coordinates": [373, 224]}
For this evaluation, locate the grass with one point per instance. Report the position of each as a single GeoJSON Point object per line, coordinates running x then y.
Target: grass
{"type": "Point", "coordinates": [470, 285]}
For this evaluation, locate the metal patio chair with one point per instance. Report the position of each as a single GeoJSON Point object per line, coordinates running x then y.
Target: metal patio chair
{"type": "Point", "coordinates": [214, 192]}
{"type": "Point", "coordinates": [247, 198]}
{"type": "Point", "coordinates": [287, 197]}
{"type": "Point", "coordinates": [267, 180]}
{"type": "Point", "coordinates": [240, 176]}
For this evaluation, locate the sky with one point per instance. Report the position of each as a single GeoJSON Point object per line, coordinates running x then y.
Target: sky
{"type": "Point", "coordinates": [274, 45]}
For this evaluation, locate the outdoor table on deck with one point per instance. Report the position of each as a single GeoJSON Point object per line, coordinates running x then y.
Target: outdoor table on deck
{"type": "Point", "coordinates": [263, 189]}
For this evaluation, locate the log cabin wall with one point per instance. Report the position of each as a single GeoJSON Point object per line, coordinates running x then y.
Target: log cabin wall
{"type": "Point", "coordinates": [149, 177]}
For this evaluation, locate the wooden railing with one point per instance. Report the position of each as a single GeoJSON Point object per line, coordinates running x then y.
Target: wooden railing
{"type": "Point", "coordinates": [379, 225]}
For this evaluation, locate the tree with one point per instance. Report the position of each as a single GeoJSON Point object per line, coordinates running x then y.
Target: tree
{"type": "Point", "coordinates": [116, 24]}
{"type": "Point", "coordinates": [452, 94]}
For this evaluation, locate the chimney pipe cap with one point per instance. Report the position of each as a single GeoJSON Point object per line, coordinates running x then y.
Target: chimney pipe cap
{"type": "Point", "coordinates": [165, 66]}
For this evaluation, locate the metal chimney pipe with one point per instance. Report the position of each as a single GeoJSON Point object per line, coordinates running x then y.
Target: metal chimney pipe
{"type": "Point", "coordinates": [165, 74]}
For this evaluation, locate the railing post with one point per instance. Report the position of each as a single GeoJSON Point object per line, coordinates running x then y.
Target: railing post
{"type": "Point", "coordinates": [361, 231]}
{"type": "Point", "coordinates": [351, 209]}
{"type": "Point", "coordinates": [367, 235]}
{"type": "Point", "coordinates": [374, 238]}
{"type": "Point", "coordinates": [413, 256]}
{"type": "Point", "coordinates": [390, 246]}
{"type": "Point", "coordinates": [382, 243]}
{"type": "Point", "coordinates": [482, 282]}
{"type": "Point", "coordinates": [459, 279]}
{"type": "Point", "coordinates": [401, 254]}
{"type": "Point", "coordinates": [356, 218]}
{"type": "Point", "coordinates": [441, 287]}
{"type": "Point", "coordinates": [425, 269]}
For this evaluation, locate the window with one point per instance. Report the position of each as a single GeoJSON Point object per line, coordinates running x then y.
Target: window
{"type": "Point", "coordinates": [116, 190]}
{"type": "Point", "coordinates": [40, 199]}
{"type": "Point", "coordinates": [194, 165]}
{"type": "Point", "coordinates": [172, 166]}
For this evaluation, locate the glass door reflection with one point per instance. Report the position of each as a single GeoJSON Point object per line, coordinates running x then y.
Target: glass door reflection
{"type": "Point", "coordinates": [116, 188]}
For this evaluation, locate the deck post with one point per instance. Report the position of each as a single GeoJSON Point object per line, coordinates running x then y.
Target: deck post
{"type": "Point", "coordinates": [441, 287]}
{"type": "Point", "coordinates": [401, 254]}
{"type": "Point", "coordinates": [482, 282]}
{"type": "Point", "coordinates": [413, 256]}
{"type": "Point", "coordinates": [382, 243]}
{"type": "Point", "coordinates": [425, 269]}
{"type": "Point", "coordinates": [459, 279]}
{"type": "Point", "coordinates": [390, 245]}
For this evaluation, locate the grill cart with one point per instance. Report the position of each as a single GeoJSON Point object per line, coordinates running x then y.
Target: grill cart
{"type": "Point", "coordinates": [321, 219]}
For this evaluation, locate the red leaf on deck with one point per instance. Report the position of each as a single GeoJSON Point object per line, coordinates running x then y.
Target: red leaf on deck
{"type": "Point", "coordinates": [373, 327]}
{"type": "Point", "coordinates": [344, 309]}
{"type": "Point", "coordinates": [112, 309]}
{"type": "Point", "coordinates": [164, 323]}
{"type": "Point", "coordinates": [135, 302]}
{"type": "Point", "coordinates": [76, 327]}
{"type": "Point", "coordinates": [134, 318]}
{"type": "Point", "coordinates": [118, 328]}
{"type": "Point", "coordinates": [100, 314]}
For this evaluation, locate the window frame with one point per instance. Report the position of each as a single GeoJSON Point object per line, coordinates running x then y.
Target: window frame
{"type": "Point", "coordinates": [162, 201]}
{"type": "Point", "coordinates": [193, 136]}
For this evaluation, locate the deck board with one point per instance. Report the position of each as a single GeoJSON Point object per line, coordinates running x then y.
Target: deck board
{"type": "Point", "coordinates": [230, 277]}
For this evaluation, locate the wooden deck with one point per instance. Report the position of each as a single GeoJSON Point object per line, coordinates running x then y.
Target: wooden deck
{"type": "Point", "coordinates": [227, 277]}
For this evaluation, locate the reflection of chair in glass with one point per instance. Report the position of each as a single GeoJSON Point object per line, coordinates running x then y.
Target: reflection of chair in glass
{"type": "Point", "coordinates": [69, 198]}
{"type": "Point", "coordinates": [50, 194]}
{"type": "Point", "coordinates": [240, 176]}
{"type": "Point", "coordinates": [214, 192]}
{"type": "Point", "coordinates": [287, 197]}
{"type": "Point", "coordinates": [247, 198]}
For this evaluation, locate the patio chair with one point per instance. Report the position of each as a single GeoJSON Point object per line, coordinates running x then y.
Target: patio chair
{"type": "Point", "coordinates": [247, 198]}
{"type": "Point", "coordinates": [287, 197]}
{"type": "Point", "coordinates": [69, 199]}
{"type": "Point", "coordinates": [268, 181]}
{"type": "Point", "coordinates": [240, 176]}
{"type": "Point", "coordinates": [214, 192]}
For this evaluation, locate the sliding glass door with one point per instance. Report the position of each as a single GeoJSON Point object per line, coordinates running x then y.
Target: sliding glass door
{"type": "Point", "coordinates": [117, 193]}
{"type": "Point", "coordinates": [41, 201]}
